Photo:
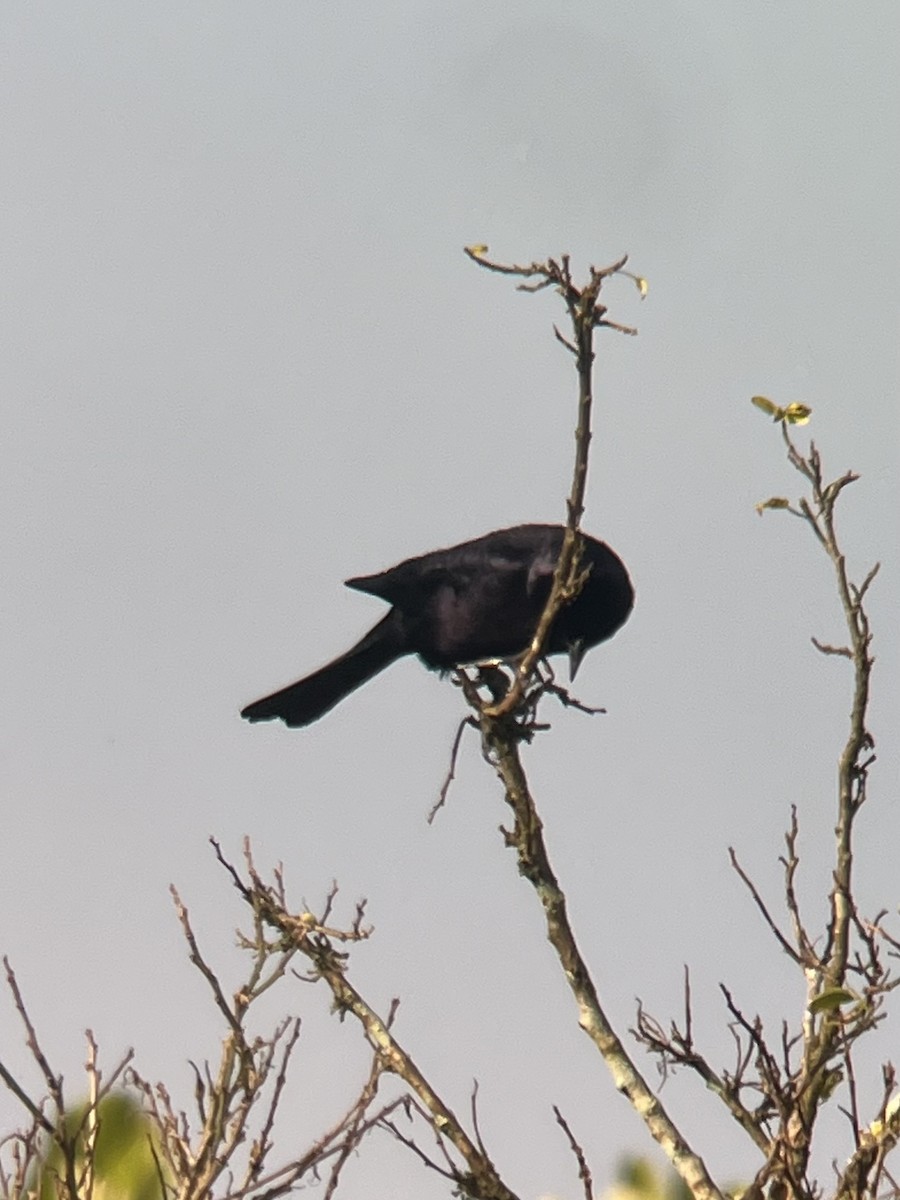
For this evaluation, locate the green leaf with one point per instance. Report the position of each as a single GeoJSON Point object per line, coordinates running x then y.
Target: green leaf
{"type": "Point", "coordinates": [831, 999]}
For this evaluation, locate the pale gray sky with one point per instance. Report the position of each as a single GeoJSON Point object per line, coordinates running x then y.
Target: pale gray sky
{"type": "Point", "coordinates": [246, 358]}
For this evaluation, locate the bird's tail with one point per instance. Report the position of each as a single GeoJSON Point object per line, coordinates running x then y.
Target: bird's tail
{"type": "Point", "coordinates": [303, 702]}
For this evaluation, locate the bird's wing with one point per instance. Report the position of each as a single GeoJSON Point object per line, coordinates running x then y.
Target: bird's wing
{"type": "Point", "coordinates": [413, 581]}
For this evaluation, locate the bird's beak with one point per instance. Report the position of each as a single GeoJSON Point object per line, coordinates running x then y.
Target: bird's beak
{"type": "Point", "coordinates": [576, 654]}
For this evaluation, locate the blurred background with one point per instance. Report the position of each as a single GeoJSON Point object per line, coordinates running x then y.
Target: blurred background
{"type": "Point", "coordinates": [246, 358]}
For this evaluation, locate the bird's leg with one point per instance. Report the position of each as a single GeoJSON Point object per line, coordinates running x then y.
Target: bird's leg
{"type": "Point", "coordinates": [491, 676]}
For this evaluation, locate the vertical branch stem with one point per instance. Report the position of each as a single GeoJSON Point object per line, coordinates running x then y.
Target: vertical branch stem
{"type": "Point", "coordinates": [501, 736]}
{"type": "Point", "coordinates": [824, 1037]}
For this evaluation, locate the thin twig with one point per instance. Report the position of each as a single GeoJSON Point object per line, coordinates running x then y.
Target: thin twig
{"type": "Point", "coordinates": [584, 1171]}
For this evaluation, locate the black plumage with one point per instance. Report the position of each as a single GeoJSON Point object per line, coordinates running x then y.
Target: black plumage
{"type": "Point", "coordinates": [469, 603]}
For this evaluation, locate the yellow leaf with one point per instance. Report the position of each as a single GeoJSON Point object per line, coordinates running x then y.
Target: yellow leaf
{"type": "Point", "coordinates": [642, 285]}
{"type": "Point", "coordinates": [797, 414]}
{"type": "Point", "coordinates": [794, 414]}
{"type": "Point", "coordinates": [772, 502]}
{"type": "Point", "coordinates": [477, 251]}
{"type": "Point", "coordinates": [767, 406]}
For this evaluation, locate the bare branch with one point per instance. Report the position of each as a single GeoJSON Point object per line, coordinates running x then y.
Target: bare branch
{"type": "Point", "coordinates": [451, 770]}
{"type": "Point", "coordinates": [761, 905]}
{"type": "Point", "coordinates": [305, 934]}
{"type": "Point", "coordinates": [54, 1082]}
{"type": "Point", "coordinates": [584, 1171]}
{"type": "Point", "coordinates": [507, 722]}
{"type": "Point", "coordinates": [843, 651]}
{"type": "Point", "coordinates": [586, 313]}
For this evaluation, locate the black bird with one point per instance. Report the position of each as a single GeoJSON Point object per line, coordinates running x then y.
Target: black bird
{"type": "Point", "coordinates": [480, 600]}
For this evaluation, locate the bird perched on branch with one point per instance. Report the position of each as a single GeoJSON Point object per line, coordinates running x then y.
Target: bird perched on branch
{"type": "Point", "coordinates": [476, 601]}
